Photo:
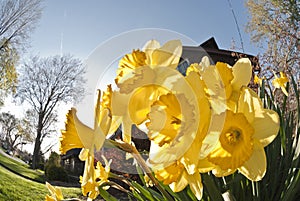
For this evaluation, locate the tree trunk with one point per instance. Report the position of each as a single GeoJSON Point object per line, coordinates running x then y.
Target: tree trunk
{"type": "Point", "coordinates": [37, 144]}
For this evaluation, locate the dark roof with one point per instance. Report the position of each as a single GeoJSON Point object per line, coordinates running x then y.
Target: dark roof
{"type": "Point", "coordinates": [210, 48]}
{"type": "Point", "coordinates": [71, 153]}
{"type": "Point", "coordinates": [210, 43]}
{"type": "Point", "coordinates": [194, 54]}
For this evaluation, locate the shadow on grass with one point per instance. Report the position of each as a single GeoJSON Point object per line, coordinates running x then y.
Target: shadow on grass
{"type": "Point", "coordinates": [21, 169]}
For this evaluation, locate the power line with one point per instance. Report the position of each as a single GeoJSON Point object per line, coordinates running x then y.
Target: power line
{"type": "Point", "coordinates": [237, 25]}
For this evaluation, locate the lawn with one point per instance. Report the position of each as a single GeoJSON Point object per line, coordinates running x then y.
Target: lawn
{"type": "Point", "coordinates": [22, 169]}
{"type": "Point", "coordinates": [14, 187]}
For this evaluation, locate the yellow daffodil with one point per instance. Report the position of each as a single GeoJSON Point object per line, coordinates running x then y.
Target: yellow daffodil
{"type": "Point", "coordinates": [176, 134]}
{"type": "Point", "coordinates": [280, 82]}
{"type": "Point", "coordinates": [257, 80]}
{"type": "Point", "coordinates": [177, 177]}
{"type": "Point", "coordinates": [56, 194]}
{"type": "Point", "coordinates": [93, 178]}
{"type": "Point", "coordinates": [78, 135]}
{"type": "Point", "coordinates": [218, 85]}
{"type": "Point", "coordinates": [88, 182]}
{"type": "Point", "coordinates": [137, 77]}
{"type": "Point", "coordinates": [102, 173]}
{"type": "Point", "coordinates": [199, 67]}
{"type": "Point", "coordinates": [245, 133]}
{"type": "Point", "coordinates": [223, 82]}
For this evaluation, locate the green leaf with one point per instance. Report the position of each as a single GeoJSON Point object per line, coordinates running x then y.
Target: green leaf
{"type": "Point", "coordinates": [105, 195]}
{"type": "Point", "coordinates": [143, 191]}
{"type": "Point", "coordinates": [211, 188]}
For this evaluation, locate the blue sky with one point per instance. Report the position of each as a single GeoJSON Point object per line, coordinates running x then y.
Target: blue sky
{"type": "Point", "coordinates": [78, 27]}
{"type": "Point", "coordinates": [84, 25]}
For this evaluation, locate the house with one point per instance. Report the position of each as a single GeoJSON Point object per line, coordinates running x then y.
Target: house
{"type": "Point", "coordinates": [71, 163]}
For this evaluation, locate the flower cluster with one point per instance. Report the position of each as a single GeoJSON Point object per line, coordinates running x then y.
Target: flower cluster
{"type": "Point", "coordinates": [208, 120]}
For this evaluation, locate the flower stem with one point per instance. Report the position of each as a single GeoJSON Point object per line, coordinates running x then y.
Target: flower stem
{"type": "Point", "coordinates": [132, 150]}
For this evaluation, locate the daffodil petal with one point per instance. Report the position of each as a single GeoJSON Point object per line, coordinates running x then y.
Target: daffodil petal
{"type": "Point", "coordinates": [213, 134]}
{"type": "Point", "coordinates": [180, 184]}
{"type": "Point", "coordinates": [50, 198]}
{"type": "Point", "coordinates": [266, 127]}
{"type": "Point", "coordinates": [115, 124]}
{"type": "Point", "coordinates": [55, 192]}
{"type": "Point", "coordinates": [284, 91]}
{"type": "Point", "coordinates": [149, 47]}
{"type": "Point", "coordinates": [205, 166]}
{"type": "Point", "coordinates": [249, 104]}
{"type": "Point", "coordinates": [90, 138]}
{"type": "Point", "coordinates": [84, 154]}
{"type": "Point", "coordinates": [69, 137]}
{"type": "Point", "coordinates": [190, 159]}
{"type": "Point", "coordinates": [255, 168]}
{"type": "Point", "coordinates": [126, 129]}
{"type": "Point", "coordinates": [218, 172]}
{"type": "Point", "coordinates": [141, 101]}
{"type": "Point", "coordinates": [168, 55]}
{"type": "Point", "coordinates": [196, 185]}
{"type": "Point", "coordinates": [205, 62]}
{"type": "Point", "coordinates": [242, 72]}
{"type": "Point", "coordinates": [119, 104]}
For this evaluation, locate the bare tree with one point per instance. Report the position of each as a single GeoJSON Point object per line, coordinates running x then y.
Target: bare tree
{"type": "Point", "coordinates": [13, 131]}
{"type": "Point", "coordinates": [44, 83]}
{"type": "Point", "coordinates": [18, 18]}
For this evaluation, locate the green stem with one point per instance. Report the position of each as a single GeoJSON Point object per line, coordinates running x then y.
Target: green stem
{"type": "Point", "coordinates": [132, 150]}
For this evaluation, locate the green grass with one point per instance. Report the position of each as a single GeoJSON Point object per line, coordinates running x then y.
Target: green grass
{"type": "Point", "coordinates": [14, 187]}
{"type": "Point", "coordinates": [22, 169]}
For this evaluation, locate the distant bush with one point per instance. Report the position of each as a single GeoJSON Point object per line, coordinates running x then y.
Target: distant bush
{"type": "Point", "coordinates": [53, 170]}
{"type": "Point", "coordinates": [56, 173]}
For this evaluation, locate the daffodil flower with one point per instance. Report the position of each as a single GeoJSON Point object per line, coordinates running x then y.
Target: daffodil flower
{"type": "Point", "coordinates": [223, 82]}
{"type": "Point", "coordinates": [56, 194]}
{"type": "Point", "coordinates": [258, 80]}
{"type": "Point", "coordinates": [141, 81]}
{"type": "Point", "coordinates": [245, 133]}
{"type": "Point", "coordinates": [89, 186]}
{"type": "Point", "coordinates": [280, 82]}
{"type": "Point", "coordinates": [78, 135]}
{"type": "Point", "coordinates": [178, 124]}
{"type": "Point", "coordinates": [93, 178]}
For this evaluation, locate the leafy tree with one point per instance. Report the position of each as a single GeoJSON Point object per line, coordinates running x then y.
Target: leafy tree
{"type": "Point", "coordinates": [18, 18]}
{"type": "Point", "coordinates": [13, 131]}
{"type": "Point", "coordinates": [8, 74]}
{"type": "Point", "coordinates": [275, 25]}
{"type": "Point", "coordinates": [44, 83]}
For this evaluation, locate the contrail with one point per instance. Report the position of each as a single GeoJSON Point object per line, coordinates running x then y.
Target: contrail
{"type": "Point", "coordinates": [61, 43]}
{"type": "Point", "coordinates": [62, 34]}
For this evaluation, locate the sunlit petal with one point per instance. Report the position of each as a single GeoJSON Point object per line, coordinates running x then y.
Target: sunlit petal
{"type": "Point", "coordinates": [196, 185]}
{"type": "Point", "coordinates": [70, 138]}
{"type": "Point", "coordinates": [235, 144]}
{"type": "Point", "coordinates": [266, 127]}
{"type": "Point", "coordinates": [180, 184]}
{"type": "Point", "coordinates": [242, 72]}
{"type": "Point", "coordinates": [168, 55]}
{"type": "Point", "coordinates": [255, 168]}
{"type": "Point", "coordinates": [249, 104]}
{"type": "Point", "coordinates": [56, 193]}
